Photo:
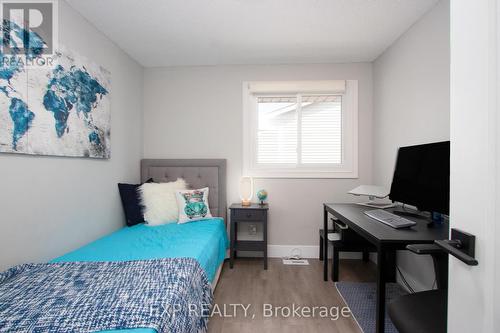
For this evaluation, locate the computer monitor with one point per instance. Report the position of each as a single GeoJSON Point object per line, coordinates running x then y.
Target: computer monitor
{"type": "Point", "coordinates": [422, 177]}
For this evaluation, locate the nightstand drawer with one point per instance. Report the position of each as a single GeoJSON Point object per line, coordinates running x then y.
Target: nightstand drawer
{"type": "Point", "coordinates": [248, 215]}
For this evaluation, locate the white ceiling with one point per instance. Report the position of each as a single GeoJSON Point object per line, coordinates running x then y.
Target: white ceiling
{"type": "Point", "coordinates": [215, 32]}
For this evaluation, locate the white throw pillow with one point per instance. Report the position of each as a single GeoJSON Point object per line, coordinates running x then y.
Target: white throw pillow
{"type": "Point", "coordinates": [193, 205]}
{"type": "Point", "coordinates": [160, 204]}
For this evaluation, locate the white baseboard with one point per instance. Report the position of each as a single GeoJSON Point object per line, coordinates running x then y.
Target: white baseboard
{"type": "Point", "coordinates": [306, 251]}
{"type": "Point", "coordinates": [279, 251]}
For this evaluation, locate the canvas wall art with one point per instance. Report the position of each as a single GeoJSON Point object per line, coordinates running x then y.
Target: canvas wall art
{"type": "Point", "coordinates": [61, 110]}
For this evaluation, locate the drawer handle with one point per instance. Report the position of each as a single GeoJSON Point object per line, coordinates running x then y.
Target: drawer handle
{"type": "Point", "coordinates": [341, 226]}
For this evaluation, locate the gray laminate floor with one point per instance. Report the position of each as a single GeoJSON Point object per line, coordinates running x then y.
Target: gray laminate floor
{"type": "Point", "coordinates": [283, 286]}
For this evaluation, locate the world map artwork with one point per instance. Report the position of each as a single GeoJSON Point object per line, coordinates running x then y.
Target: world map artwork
{"type": "Point", "coordinates": [60, 109]}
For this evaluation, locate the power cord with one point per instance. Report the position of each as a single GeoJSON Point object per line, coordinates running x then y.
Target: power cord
{"type": "Point", "coordinates": [404, 281]}
{"type": "Point", "coordinates": [296, 254]}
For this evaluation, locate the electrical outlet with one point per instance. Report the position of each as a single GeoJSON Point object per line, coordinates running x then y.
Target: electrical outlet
{"type": "Point", "coordinates": [252, 229]}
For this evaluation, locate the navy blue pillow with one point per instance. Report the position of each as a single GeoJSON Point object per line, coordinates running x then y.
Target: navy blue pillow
{"type": "Point", "coordinates": [131, 203]}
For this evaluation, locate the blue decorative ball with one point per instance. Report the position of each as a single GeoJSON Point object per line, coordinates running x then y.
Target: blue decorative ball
{"type": "Point", "coordinates": [262, 195]}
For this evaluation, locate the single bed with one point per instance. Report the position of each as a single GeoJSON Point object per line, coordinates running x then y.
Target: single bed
{"type": "Point", "coordinates": [206, 241]}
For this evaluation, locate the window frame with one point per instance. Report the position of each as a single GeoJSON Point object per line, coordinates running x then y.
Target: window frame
{"type": "Point", "coordinates": [348, 168]}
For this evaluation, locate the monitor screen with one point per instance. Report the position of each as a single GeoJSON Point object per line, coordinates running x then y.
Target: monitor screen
{"type": "Point", "coordinates": [422, 177]}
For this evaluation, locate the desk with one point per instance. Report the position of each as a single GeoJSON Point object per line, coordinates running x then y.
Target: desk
{"type": "Point", "coordinates": [386, 239]}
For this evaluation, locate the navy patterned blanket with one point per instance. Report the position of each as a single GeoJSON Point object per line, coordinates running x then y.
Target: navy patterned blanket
{"type": "Point", "coordinates": [169, 295]}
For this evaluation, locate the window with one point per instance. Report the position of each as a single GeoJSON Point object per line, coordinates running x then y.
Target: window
{"type": "Point", "coordinates": [300, 129]}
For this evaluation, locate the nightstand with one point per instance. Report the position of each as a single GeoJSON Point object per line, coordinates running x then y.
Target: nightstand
{"type": "Point", "coordinates": [254, 213]}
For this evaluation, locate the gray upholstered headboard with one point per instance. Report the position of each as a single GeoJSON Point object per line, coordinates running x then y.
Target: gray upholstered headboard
{"type": "Point", "coordinates": [198, 173]}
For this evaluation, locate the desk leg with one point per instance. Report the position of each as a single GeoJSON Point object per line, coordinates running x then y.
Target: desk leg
{"type": "Point", "coordinates": [325, 245]}
{"type": "Point", "coordinates": [390, 266]}
{"type": "Point", "coordinates": [441, 269]}
{"type": "Point", "coordinates": [380, 319]}
{"type": "Point", "coordinates": [335, 264]}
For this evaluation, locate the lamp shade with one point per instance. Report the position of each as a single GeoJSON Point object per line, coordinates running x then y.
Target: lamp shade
{"type": "Point", "coordinates": [246, 190]}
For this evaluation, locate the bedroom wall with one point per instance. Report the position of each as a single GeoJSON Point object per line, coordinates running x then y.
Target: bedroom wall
{"type": "Point", "coordinates": [50, 205]}
{"type": "Point", "coordinates": [412, 105]}
{"type": "Point", "coordinates": [196, 112]}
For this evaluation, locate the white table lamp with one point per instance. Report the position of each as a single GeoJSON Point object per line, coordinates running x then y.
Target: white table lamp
{"type": "Point", "coordinates": [246, 191]}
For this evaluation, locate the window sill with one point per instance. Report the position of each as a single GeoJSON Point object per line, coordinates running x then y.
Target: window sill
{"type": "Point", "coordinates": [303, 175]}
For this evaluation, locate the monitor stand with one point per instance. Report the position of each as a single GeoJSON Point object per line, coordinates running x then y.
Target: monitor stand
{"type": "Point", "coordinates": [376, 204]}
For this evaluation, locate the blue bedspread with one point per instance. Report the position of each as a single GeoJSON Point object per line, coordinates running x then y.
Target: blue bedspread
{"type": "Point", "coordinates": [168, 295]}
{"type": "Point", "coordinates": [206, 241]}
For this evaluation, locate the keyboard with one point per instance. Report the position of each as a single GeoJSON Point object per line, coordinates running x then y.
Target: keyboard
{"type": "Point", "coordinates": [390, 219]}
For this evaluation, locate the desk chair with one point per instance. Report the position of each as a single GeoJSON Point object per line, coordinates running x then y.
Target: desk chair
{"type": "Point", "coordinates": [342, 239]}
{"type": "Point", "coordinates": [426, 311]}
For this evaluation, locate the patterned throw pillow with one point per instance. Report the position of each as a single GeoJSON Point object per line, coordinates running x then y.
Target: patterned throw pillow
{"type": "Point", "coordinates": [193, 205]}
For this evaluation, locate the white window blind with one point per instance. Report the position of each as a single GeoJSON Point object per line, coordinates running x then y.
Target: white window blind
{"type": "Point", "coordinates": [321, 130]}
{"type": "Point", "coordinates": [299, 130]}
{"type": "Point", "coordinates": [277, 130]}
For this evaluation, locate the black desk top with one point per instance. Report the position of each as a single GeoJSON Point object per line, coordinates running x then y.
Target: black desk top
{"type": "Point", "coordinates": [353, 215]}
